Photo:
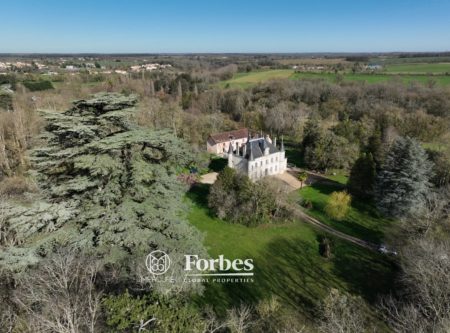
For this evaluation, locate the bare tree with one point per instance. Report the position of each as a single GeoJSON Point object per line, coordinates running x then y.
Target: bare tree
{"type": "Point", "coordinates": [342, 313]}
{"type": "Point", "coordinates": [212, 323]}
{"type": "Point", "coordinates": [240, 319]}
{"type": "Point", "coordinates": [425, 304]}
{"type": "Point", "coordinates": [60, 295]}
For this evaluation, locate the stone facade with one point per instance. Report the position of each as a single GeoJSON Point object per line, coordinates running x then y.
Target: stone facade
{"type": "Point", "coordinates": [257, 158]}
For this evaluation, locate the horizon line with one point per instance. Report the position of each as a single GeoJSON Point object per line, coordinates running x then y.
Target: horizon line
{"type": "Point", "coordinates": [229, 53]}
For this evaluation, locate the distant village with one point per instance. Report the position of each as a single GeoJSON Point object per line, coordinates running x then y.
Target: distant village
{"type": "Point", "coordinates": [68, 65]}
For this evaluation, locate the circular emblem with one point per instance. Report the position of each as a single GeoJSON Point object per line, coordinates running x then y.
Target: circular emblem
{"type": "Point", "coordinates": [157, 262]}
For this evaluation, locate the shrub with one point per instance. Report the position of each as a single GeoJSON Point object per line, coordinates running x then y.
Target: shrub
{"type": "Point", "coordinates": [325, 247]}
{"type": "Point", "coordinates": [14, 186]}
{"type": "Point", "coordinates": [6, 101]}
{"type": "Point", "coordinates": [127, 313]}
{"type": "Point", "coordinates": [338, 205]}
{"type": "Point", "coordinates": [38, 85]}
{"type": "Point", "coordinates": [235, 198]}
{"type": "Point", "coordinates": [307, 204]}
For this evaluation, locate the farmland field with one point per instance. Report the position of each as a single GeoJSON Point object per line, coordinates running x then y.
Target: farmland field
{"type": "Point", "coordinates": [246, 80]}
{"type": "Point", "coordinates": [375, 78]}
{"type": "Point", "coordinates": [423, 68]}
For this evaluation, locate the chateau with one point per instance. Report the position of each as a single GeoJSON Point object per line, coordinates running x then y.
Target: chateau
{"type": "Point", "coordinates": [255, 157]}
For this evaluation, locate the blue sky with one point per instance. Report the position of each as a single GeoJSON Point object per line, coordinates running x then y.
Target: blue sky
{"type": "Point", "coordinates": [224, 26]}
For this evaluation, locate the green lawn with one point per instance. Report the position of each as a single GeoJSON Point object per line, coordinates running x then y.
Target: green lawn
{"type": "Point", "coordinates": [339, 176]}
{"type": "Point", "coordinates": [363, 220]}
{"type": "Point", "coordinates": [287, 262]}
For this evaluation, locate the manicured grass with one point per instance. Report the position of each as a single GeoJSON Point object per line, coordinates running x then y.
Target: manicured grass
{"type": "Point", "coordinates": [418, 68]}
{"type": "Point", "coordinates": [363, 220]}
{"type": "Point", "coordinates": [287, 263]}
{"type": "Point", "coordinates": [339, 176]}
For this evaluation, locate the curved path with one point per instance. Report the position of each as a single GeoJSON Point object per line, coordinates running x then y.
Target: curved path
{"type": "Point", "coordinates": [315, 222]}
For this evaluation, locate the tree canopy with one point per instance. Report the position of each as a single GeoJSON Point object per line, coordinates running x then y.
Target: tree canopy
{"type": "Point", "coordinates": [403, 182]}
{"type": "Point", "coordinates": [106, 185]}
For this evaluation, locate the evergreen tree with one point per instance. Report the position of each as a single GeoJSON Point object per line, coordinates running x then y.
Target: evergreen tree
{"type": "Point", "coordinates": [312, 133]}
{"type": "Point", "coordinates": [107, 185]}
{"type": "Point", "coordinates": [362, 176]}
{"type": "Point", "coordinates": [403, 181]}
{"type": "Point", "coordinates": [375, 148]}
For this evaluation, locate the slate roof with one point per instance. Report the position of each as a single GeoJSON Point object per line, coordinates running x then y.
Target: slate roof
{"type": "Point", "coordinates": [256, 147]}
{"type": "Point", "coordinates": [230, 135]}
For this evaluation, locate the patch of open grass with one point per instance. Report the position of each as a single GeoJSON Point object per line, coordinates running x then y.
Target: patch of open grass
{"type": "Point", "coordinates": [339, 176]}
{"type": "Point", "coordinates": [363, 220]}
{"type": "Point", "coordinates": [287, 262]}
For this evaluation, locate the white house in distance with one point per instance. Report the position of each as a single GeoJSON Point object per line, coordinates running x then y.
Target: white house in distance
{"type": "Point", "coordinates": [255, 157]}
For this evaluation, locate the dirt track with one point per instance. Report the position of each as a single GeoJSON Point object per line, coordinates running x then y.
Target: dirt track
{"type": "Point", "coordinates": [311, 220]}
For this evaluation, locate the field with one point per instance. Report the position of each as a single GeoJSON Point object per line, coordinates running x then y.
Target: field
{"type": "Point", "coordinates": [246, 80]}
{"type": "Point", "coordinates": [386, 60]}
{"type": "Point", "coordinates": [312, 61]}
{"type": "Point", "coordinates": [422, 68]}
{"type": "Point", "coordinates": [287, 262]}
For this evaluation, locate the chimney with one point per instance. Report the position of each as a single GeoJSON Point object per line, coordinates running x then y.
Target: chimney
{"type": "Point", "coordinates": [230, 155]}
{"type": "Point", "coordinates": [230, 148]}
{"type": "Point", "coordinates": [275, 142]}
